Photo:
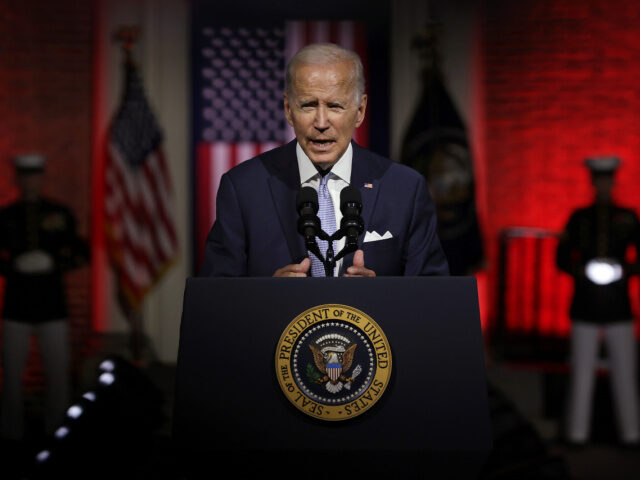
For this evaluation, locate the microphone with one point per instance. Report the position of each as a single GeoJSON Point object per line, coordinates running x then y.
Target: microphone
{"type": "Point", "coordinates": [352, 223]}
{"type": "Point", "coordinates": [309, 225]}
{"type": "Point", "coordinates": [307, 207]}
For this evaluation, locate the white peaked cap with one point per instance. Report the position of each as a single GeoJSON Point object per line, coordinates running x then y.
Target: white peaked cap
{"type": "Point", "coordinates": [602, 164]}
{"type": "Point", "coordinates": [32, 162]}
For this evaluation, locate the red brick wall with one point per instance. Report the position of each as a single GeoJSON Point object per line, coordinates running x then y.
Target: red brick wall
{"type": "Point", "coordinates": [562, 82]}
{"type": "Point", "coordinates": [45, 106]}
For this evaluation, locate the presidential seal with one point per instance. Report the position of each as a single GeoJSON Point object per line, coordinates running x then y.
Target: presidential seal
{"type": "Point", "coordinates": [333, 362]}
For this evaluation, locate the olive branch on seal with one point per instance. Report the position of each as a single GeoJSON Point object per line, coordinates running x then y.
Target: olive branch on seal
{"type": "Point", "coordinates": [312, 374]}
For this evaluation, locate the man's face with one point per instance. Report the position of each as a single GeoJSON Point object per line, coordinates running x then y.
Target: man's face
{"type": "Point", "coordinates": [322, 110]}
{"type": "Point", "coordinates": [30, 184]}
{"type": "Point", "coordinates": [603, 185]}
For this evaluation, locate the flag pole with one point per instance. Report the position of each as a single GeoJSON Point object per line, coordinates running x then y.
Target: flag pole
{"type": "Point", "coordinates": [127, 36]}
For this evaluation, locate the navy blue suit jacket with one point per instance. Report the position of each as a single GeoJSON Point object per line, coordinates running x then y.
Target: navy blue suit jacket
{"type": "Point", "coordinates": [255, 229]}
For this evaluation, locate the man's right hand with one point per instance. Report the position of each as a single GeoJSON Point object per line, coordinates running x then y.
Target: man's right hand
{"type": "Point", "coordinates": [294, 270]}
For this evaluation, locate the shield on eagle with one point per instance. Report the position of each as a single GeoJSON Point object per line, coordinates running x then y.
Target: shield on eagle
{"type": "Point", "coordinates": [333, 371]}
{"type": "Point", "coordinates": [333, 360]}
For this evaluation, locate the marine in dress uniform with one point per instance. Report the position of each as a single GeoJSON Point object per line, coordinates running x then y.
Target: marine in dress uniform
{"type": "Point", "coordinates": [38, 244]}
{"type": "Point", "coordinates": [593, 249]}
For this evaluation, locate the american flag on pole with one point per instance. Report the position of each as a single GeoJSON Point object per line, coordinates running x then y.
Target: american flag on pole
{"type": "Point", "coordinates": [139, 202]}
{"type": "Point", "coordinates": [238, 103]}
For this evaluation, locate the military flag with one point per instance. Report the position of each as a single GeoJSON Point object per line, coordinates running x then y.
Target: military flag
{"type": "Point", "coordinates": [436, 145]}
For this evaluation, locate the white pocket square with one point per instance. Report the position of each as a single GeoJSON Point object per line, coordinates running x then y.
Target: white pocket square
{"type": "Point", "coordinates": [375, 236]}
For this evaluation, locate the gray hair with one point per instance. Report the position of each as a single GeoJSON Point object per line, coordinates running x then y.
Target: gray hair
{"type": "Point", "coordinates": [325, 54]}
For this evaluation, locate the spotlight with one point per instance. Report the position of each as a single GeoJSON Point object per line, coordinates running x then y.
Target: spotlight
{"type": "Point", "coordinates": [61, 432]}
{"type": "Point", "coordinates": [106, 378]}
{"type": "Point", "coordinates": [107, 365]}
{"type": "Point", "coordinates": [43, 456]}
{"type": "Point", "coordinates": [74, 411]}
{"type": "Point", "coordinates": [89, 396]}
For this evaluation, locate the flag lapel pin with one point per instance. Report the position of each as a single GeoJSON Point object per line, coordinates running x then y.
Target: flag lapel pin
{"type": "Point", "coordinates": [368, 185]}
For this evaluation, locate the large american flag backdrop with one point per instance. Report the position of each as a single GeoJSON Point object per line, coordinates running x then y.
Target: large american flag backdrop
{"type": "Point", "coordinates": [237, 99]}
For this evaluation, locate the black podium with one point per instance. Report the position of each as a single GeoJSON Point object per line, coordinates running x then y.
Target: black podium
{"type": "Point", "coordinates": [432, 420]}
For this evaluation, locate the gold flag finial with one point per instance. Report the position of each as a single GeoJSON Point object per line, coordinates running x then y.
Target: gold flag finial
{"type": "Point", "coordinates": [127, 35]}
{"type": "Point", "coordinates": [426, 43]}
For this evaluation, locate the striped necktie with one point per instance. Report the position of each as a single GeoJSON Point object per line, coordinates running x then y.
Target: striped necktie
{"type": "Point", "coordinates": [327, 216]}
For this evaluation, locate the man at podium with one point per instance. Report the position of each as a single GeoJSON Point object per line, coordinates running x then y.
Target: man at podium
{"type": "Point", "coordinates": [255, 231]}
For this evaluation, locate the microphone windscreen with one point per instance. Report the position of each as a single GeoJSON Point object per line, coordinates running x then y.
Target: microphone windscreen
{"type": "Point", "coordinates": [307, 195]}
{"type": "Point", "coordinates": [350, 194]}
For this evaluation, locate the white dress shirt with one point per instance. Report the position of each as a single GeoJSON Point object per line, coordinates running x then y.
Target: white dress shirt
{"type": "Point", "coordinates": [340, 177]}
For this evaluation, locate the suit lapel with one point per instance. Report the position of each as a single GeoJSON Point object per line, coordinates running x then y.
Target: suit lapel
{"type": "Point", "coordinates": [365, 177]}
{"type": "Point", "coordinates": [284, 185]}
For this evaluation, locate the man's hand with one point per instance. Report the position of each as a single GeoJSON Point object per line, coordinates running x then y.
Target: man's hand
{"type": "Point", "coordinates": [358, 269]}
{"type": "Point", "coordinates": [294, 270]}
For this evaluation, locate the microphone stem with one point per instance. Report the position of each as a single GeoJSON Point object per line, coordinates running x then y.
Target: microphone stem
{"type": "Point", "coordinates": [330, 262]}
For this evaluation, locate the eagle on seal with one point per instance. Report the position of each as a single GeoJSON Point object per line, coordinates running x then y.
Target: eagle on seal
{"type": "Point", "coordinates": [331, 366]}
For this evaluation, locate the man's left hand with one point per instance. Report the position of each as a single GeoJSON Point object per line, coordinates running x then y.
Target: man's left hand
{"type": "Point", "coordinates": [358, 269]}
